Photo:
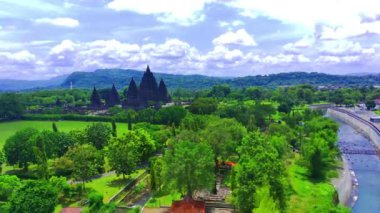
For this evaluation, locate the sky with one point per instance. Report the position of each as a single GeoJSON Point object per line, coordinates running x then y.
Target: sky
{"type": "Point", "coordinates": [43, 39]}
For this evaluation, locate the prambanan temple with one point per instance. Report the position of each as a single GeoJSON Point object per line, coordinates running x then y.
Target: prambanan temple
{"type": "Point", "coordinates": [147, 94]}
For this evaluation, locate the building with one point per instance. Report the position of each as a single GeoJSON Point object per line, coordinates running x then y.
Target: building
{"type": "Point", "coordinates": [375, 119]}
{"type": "Point", "coordinates": [148, 93]}
{"type": "Point", "coordinates": [188, 205]}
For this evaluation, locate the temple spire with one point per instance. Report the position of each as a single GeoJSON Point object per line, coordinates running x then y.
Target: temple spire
{"type": "Point", "coordinates": [147, 69]}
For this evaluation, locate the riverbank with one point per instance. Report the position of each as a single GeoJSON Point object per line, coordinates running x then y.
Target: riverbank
{"type": "Point", "coordinates": [357, 133]}
{"type": "Point", "coordinates": [345, 184]}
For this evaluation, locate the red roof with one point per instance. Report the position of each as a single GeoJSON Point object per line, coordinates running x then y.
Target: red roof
{"type": "Point", "coordinates": [230, 163]}
{"type": "Point", "coordinates": [188, 205]}
{"type": "Point", "coordinates": [71, 210]}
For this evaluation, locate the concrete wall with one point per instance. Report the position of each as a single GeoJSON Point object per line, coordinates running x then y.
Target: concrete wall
{"type": "Point", "coordinates": [357, 124]}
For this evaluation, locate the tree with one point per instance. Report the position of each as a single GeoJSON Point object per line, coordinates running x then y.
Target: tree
{"type": "Point", "coordinates": [88, 161]}
{"type": "Point", "coordinates": [114, 131]}
{"type": "Point", "coordinates": [41, 159]}
{"type": "Point", "coordinates": [8, 185]}
{"type": "Point", "coordinates": [129, 122]}
{"type": "Point", "coordinates": [10, 106]}
{"type": "Point", "coordinates": [54, 126]}
{"type": "Point", "coordinates": [2, 161]}
{"type": "Point", "coordinates": [370, 104]}
{"type": "Point", "coordinates": [155, 169]}
{"type": "Point", "coordinates": [122, 154]}
{"type": "Point", "coordinates": [259, 166]}
{"type": "Point", "coordinates": [223, 136]}
{"type": "Point", "coordinates": [98, 134]}
{"type": "Point", "coordinates": [144, 144]}
{"type": "Point", "coordinates": [203, 106]}
{"type": "Point", "coordinates": [18, 149]}
{"type": "Point", "coordinates": [34, 197]}
{"type": "Point", "coordinates": [188, 167]}
{"type": "Point", "coordinates": [169, 115]}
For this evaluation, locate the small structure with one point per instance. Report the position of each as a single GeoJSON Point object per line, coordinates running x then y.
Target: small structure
{"type": "Point", "coordinates": [71, 210]}
{"type": "Point", "coordinates": [188, 205]}
{"type": "Point", "coordinates": [375, 119]}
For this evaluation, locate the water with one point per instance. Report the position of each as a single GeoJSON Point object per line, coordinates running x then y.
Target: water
{"type": "Point", "coordinates": [366, 168]}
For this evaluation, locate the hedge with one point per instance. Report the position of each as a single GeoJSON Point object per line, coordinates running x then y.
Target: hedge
{"type": "Point", "coordinates": [70, 117]}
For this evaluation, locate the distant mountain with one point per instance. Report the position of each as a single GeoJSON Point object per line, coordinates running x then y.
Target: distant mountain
{"type": "Point", "coordinates": [294, 78]}
{"type": "Point", "coordinates": [103, 78]}
{"type": "Point", "coordinates": [21, 85]}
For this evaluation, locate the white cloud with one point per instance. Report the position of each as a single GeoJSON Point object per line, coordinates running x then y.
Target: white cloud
{"type": "Point", "coordinates": [305, 42]}
{"type": "Point", "coordinates": [343, 47]}
{"type": "Point", "coordinates": [231, 25]}
{"type": "Point", "coordinates": [337, 59]}
{"type": "Point", "coordinates": [240, 37]}
{"type": "Point", "coordinates": [309, 12]}
{"type": "Point", "coordinates": [62, 22]}
{"type": "Point", "coordinates": [352, 30]}
{"type": "Point", "coordinates": [170, 11]}
{"type": "Point", "coordinates": [21, 57]}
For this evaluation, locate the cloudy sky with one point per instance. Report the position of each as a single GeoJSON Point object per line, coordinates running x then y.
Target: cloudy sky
{"type": "Point", "coordinates": [42, 39]}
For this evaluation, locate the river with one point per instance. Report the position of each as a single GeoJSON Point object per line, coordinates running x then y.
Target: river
{"type": "Point", "coordinates": [366, 168]}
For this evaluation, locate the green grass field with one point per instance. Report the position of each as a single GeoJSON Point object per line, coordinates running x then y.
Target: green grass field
{"type": "Point", "coordinates": [310, 196]}
{"type": "Point", "coordinates": [162, 200]}
{"type": "Point", "coordinates": [7, 129]}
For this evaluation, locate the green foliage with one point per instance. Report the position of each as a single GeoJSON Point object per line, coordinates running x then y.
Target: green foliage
{"type": "Point", "coordinates": [258, 166]}
{"type": "Point", "coordinates": [95, 201]}
{"type": "Point", "coordinates": [18, 149]}
{"type": "Point", "coordinates": [8, 185]}
{"type": "Point", "coordinates": [114, 131]}
{"type": "Point", "coordinates": [203, 106]}
{"type": "Point", "coordinates": [10, 106]}
{"type": "Point", "coordinates": [34, 197]}
{"type": "Point", "coordinates": [41, 159]}
{"type": "Point", "coordinates": [98, 134]}
{"type": "Point", "coordinates": [61, 185]}
{"type": "Point", "coordinates": [54, 126]}
{"type": "Point", "coordinates": [370, 104]}
{"type": "Point", "coordinates": [170, 115]}
{"type": "Point", "coordinates": [87, 161]}
{"type": "Point", "coordinates": [122, 154]}
{"type": "Point", "coordinates": [155, 168]}
{"type": "Point", "coordinates": [188, 167]}
{"type": "Point", "coordinates": [220, 91]}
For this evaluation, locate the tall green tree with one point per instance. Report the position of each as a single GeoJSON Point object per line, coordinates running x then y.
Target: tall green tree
{"type": "Point", "coordinates": [122, 154]}
{"type": "Point", "coordinates": [54, 126]}
{"type": "Point", "coordinates": [259, 166]}
{"type": "Point", "coordinates": [88, 161]}
{"type": "Point", "coordinates": [34, 197]}
{"type": "Point", "coordinates": [114, 131]}
{"type": "Point", "coordinates": [98, 134]}
{"type": "Point", "coordinates": [11, 106]}
{"type": "Point", "coordinates": [41, 159]}
{"type": "Point", "coordinates": [18, 148]}
{"type": "Point", "coordinates": [188, 167]}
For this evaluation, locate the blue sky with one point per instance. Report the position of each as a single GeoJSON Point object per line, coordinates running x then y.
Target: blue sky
{"type": "Point", "coordinates": [43, 39]}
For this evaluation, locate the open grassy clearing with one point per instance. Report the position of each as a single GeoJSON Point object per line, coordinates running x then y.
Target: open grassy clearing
{"type": "Point", "coordinates": [308, 196]}
{"type": "Point", "coordinates": [162, 200]}
{"type": "Point", "coordinates": [7, 129]}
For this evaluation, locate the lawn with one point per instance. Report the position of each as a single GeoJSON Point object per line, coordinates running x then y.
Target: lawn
{"type": "Point", "coordinates": [162, 200]}
{"type": "Point", "coordinates": [110, 185]}
{"type": "Point", "coordinates": [7, 129]}
{"type": "Point", "coordinates": [310, 196]}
